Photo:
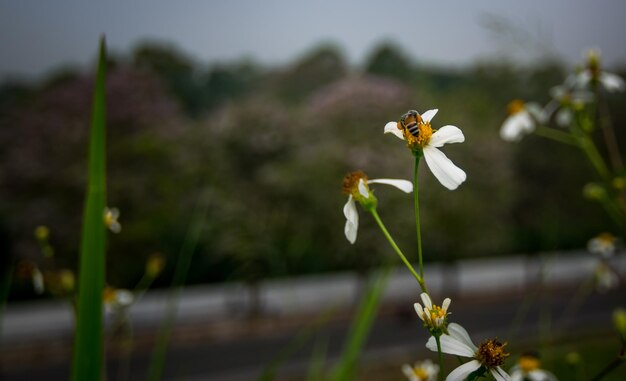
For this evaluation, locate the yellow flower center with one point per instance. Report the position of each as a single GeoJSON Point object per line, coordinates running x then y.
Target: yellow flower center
{"type": "Point", "coordinates": [606, 239]}
{"type": "Point", "coordinates": [491, 353]}
{"type": "Point", "coordinates": [528, 363]}
{"type": "Point", "coordinates": [515, 106]}
{"type": "Point", "coordinates": [415, 130]}
{"type": "Point", "coordinates": [351, 183]}
{"type": "Point", "coordinates": [437, 312]}
{"type": "Point", "coordinates": [420, 373]}
{"type": "Point", "coordinates": [109, 294]}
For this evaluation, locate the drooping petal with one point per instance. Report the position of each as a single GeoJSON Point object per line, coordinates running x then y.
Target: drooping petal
{"type": "Point", "coordinates": [458, 332]}
{"type": "Point", "coordinates": [428, 303]}
{"type": "Point", "coordinates": [536, 111]}
{"type": "Point", "coordinates": [448, 174]}
{"type": "Point", "coordinates": [446, 134]}
{"type": "Point", "coordinates": [392, 127]}
{"type": "Point", "coordinates": [451, 346]}
{"type": "Point", "coordinates": [352, 220]}
{"type": "Point", "coordinates": [461, 373]}
{"type": "Point", "coordinates": [499, 374]}
{"type": "Point", "coordinates": [404, 185]}
{"type": "Point", "coordinates": [429, 115]}
{"type": "Point", "coordinates": [612, 82]}
{"type": "Point", "coordinates": [516, 126]}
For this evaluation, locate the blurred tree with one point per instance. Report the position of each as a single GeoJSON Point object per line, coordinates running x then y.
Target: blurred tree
{"type": "Point", "coordinates": [389, 60]}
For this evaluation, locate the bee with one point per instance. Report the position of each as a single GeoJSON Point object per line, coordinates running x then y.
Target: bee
{"type": "Point", "coordinates": [411, 121]}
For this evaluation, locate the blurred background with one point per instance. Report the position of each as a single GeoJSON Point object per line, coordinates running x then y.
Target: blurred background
{"type": "Point", "coordinates": [263, 107]}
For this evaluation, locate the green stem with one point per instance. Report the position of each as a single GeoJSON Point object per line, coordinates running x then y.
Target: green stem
{"type": "Point", "coordinates": [587, 145]}
{"type": "Point", "coordinates": [559, 136]}
{"type": "Point", "coordinates": [397, 249]}
{"type": "Point", "coordinates": [417, 216]}
{"type": "Point", "coordinates": [440, 357]}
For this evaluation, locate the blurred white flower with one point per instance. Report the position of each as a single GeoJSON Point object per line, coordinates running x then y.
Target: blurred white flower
{"type": "Point", "coordinates": [110, 219]}
{"type": "Point", "coordinates": [117, 300]}
{"type": "Point", "coordinates": [592, 75]}
{"type": "Point", "coordinates": [522, 120]}
{"type": "Point", "coordinates": [528, 368]}
{"type": "Point", "coordinates": [355, 185]}
{"type": "Point", "coordinates": [606, 278]}
{"type": "Point", "coordinates": [565, 100]}
{"type": "Point", "coordinates": [433, 316]}
{"type": "Point", "coordinates": [604, 245]}
{"type": "Point", "coordinates": [38, 283]}
{"type": "Point", "coordinates": [489, 354]}
{"type": "Point", "coordinates": [422, 371]}
{"type": "Point", "coordinates": [416, 130]}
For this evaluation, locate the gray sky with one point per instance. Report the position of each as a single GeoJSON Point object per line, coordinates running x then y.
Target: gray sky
{"type": "Point", "coordinates": [37, 36]}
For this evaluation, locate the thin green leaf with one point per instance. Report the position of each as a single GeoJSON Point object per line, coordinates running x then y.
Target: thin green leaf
{"type": "Point", "coordinates": [88, 341]}
{"type": "Point", "coordinates": [361, 326]}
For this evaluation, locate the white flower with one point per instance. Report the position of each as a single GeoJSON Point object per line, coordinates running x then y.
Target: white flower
{"type": "Point", "coordinates": [433, 316]}
{"type": "Point", "coordinates": [606, 278]}
{"type": "Point", "coordinates": [110, 219]}
{"type": "Point", "coordinates": [490, 354]}
{"type": "Point", "coordinates": [565, 99]}
{"type": "Point", "coordinates": [527, 368]}
{"type": "Point", "coordinates": [38, 282]}
{"type": "Point", "coordinates": [416, 130]}
{"type": "Point", "coordinates": [117, 300]}
{"type": "Point", "coordinates": [592, 75]}
{"type": "Point", "coordinates": [604, 245]}
{"type": "Point", "coordinates": [422, 371]}
{"type": "Point", "coordinates": [355, 185]}
{"type": "Point", "coordinates": [522, 120]}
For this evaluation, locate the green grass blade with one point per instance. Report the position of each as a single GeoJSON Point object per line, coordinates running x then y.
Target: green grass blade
{"type": "Point", "coordinates": [346, 368]}
{"type": "Point", "coordinates": [88, 341]}
{"type": "Point", "coordinates": [157, 362]}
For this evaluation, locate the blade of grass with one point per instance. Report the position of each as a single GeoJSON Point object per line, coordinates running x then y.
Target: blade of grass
{"type": "Point", "coordinates": [157, 362]}
{"type": "Point", "coordinates": [361, 326]}
{"type": "Point", "coordinates": [318, 360]}
{"type": "Point", "coordinates": [88, 341]}
{"type": "Point", "coordinates": [269, 373]}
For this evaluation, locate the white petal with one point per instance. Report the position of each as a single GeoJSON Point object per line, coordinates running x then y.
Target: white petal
{"type": "Point", "coordinates": [352, 219]}
{"type": "Point", "coordinates": [429, 115]}
{"type": "Point", "coordinates": [408, 371]}
{"type": "Point", "coordinates": [517, 375]}
{"type": "Point", "coordinates": [612, 82]}
{"type": "Point", "coordinates": [363, 189]}
{"type": "Point", "coordinates": [404, 185]}
{"type": "Point", "coordinates": [564, 117]}
{"type": "Point", "coordinates": [38, 282]}
{"type": "Point", "coordinates": [426, 300]}
{"type": "Point", "coordinates": [392, 127]}
{"type": "Point", "coordinates": [499, 374]}
{"type": "Point", "coordinates": [460, 333]}
{"type": "Point", "coordinates": [445, 135]}
{"type": "Point", "coordinates": [583, 79]}
{"type": "Point", "coordinates": [448, 174]}
{"type": "Point", "coordinates": [451, 346]}
{"type": "Point", "coordinates": [461, 373]}
{"type": "Point", "coordinates": [515, 126]}
{"type": "Point", "coordinates": [536, 111]}
{"type": "Point", "coordinates": [419, 310]}
{"type": "Point", "coordinates": [446, 304]}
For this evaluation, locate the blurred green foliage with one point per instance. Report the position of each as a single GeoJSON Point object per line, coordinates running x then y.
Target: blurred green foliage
{"type": "Point", "coordinates": [270, 146]}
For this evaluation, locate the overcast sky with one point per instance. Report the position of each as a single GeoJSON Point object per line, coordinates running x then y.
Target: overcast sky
{"type": "Point", "coordinates": [37, 36]}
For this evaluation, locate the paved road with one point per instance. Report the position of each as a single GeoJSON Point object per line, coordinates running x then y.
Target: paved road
{"type": "Point", "coordinates": [215, 341]}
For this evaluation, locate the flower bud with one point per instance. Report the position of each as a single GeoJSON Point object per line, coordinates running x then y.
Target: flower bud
{"type": "Point", "coordinates": [619, 321]}
{"type": "Point", "coordinates": [594, 191]}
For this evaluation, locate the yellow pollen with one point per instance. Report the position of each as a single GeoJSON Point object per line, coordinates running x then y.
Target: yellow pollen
{"type": "Point", "coordinates": [606, 239]}
{"type": "Point", "coordinates": [491, 353]}
{"type": "Point", "coordinates": [420, 373]}
{"type": "Point", "coordinates": [422, 138]}
{"type": "Point", "coordinates": [437, 312]}
{"type": "Point", "coordinates": [528, 363]}
{"type": "Point", "coordinates": [515, 106]}
{"type": "Point", "coordinates": [109, 294]}
{"type": "Point", "coordinates": [351, 182]}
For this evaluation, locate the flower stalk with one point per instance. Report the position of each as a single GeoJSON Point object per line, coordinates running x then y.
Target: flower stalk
{"type": "Point", "coordinates": [418, 157]}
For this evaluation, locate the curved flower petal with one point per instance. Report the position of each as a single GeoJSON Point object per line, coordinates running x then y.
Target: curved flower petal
{"type": "Point", "coordinates": [612, 82]}
{"type": "Point", "coordinates": [446, 304]}
{"type": "Point", "coordinates": [408, 371]}
{"type": "Point", "coordinates": [461, 373]}
{"type": "Point", "coordinates": [392, 127]}
{"type": "Point", "coordinates": [458, 332]}
{"type": "Point", "coordinates": [515, 126]}
{"type": "Point", "coordinates": [499, 374]}
{"type": "Point", "coordinates": [429, 115]}
{"type": "Point", "coordinates": [426, 300]}
{"type": "Point", "coordinates": [419, 310]}
{"type": "Point", "coordinates": [448, 174]}
{"type": "Point", "coordinates": [352, 220]}
{"type": "Point", "coordinates": [404, 185]}
{"type": "Point", "coordinates": [445, 135]}
{"type": "Point", "coordinates": [451, 346]}
{"type": "Point", "coordinates": [363, 189]}
{"type": "Point", "coordinates": [535, 111]}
